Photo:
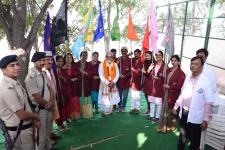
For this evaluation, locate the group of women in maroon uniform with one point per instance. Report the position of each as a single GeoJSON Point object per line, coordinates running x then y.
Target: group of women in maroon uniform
{"type": "Point", "coordinates": [81, 79]}
{"type": "Point", "coordinates": [76, 80]}
{"type": "Point", "coordinates": [162, 83]}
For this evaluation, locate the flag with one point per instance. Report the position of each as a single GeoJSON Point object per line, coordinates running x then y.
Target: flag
{"type": "Point", "coordinates": [77, 46]}
{"type": "Point", "coordinates": [154, 29]}
{"type": "Point", "coordinates": [89, 32]}
{"type": "Point", "coordinates": [87, 15]}
{"type": "Point", "coordinates": [47, 34]}
{"type": "Point", "coordinates": [145, 42]}
{"type": "Point", "coordinates": [59, 26]}
{"type": "Point", "coordinates": [115, 32]}
{"type": "Point", "coordinates": [168, 41]}
{"type": "Point", "coordinates": [47, 40]}
{"type": "Point", "coordinates": [131, 34]}
{"type": "Point", "coordinates": [88, 21]}
{"type": "Point", "coordinates": [79, 42]}
{"type": "Point", "coordinates": [99, 32]}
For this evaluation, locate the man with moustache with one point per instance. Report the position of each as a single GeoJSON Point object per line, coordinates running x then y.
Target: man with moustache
{"type": "Point", "coordinates": [15, 111]}
{"type": "Point", "coordinates": [195, 103]}
{"type": "Point", "coordinates": [113, 50]}
{"type": "Point", "coordinates": [123, 83]}
{"type": "Point", "coordinates": [40, 93]}
{"type": "Point", "coordinates": [52, 83]}
{"type": "Point", "coordinates": [135, 85]}
{"type": "Point", "coordinates": [108, 93]}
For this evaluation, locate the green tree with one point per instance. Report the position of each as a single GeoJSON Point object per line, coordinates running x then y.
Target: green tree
{"type": "Point", "coordinates": [21, 26]}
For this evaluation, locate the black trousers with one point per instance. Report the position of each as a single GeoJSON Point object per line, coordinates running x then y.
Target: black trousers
{"type": "Point", "coordinates": [189, 131]}
{"type": "Point", "coordinates": [146, 97]}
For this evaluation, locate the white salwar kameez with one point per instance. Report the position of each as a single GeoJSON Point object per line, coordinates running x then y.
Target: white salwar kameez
{"type": "Point", "coordinates": [135, 99]}
{"type": "Point", "coordinates": [106, 98]}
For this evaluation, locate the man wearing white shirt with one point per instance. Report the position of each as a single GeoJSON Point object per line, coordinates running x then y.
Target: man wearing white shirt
{"type": "Point", "coordinates": [108, 93]}
{"type": "Point", "coordinates": [195, 102]}
{"type": "Point", "coordinates": [206, 69]}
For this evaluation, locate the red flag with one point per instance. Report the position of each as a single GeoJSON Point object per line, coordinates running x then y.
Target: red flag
{"type": "Point", "coordinates": [145, 42]}
{"type": "Point", "coordinates": [131, 34]}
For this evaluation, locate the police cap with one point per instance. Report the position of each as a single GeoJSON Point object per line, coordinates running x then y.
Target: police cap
{"type": "Point", "coordinates": [37, 56]}
{"type": "Point", "coordinates": [6, 60]}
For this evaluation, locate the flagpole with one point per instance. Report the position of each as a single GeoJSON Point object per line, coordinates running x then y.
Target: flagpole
{"type": "Point", "coordinates": [142, 74]}
{"type": "Point", "coordinates": [131, 57]}
{"type": "Point", "coordinates": [120, 56]}
{"type": "Point", "coordinates": [92, 47]}
{"type": "Point", "coordinates": [162, 127]}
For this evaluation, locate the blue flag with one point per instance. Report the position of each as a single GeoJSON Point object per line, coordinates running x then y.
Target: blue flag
{"type": "Point", "coordinates": [47, 34]}
{"type": "Point", "coordinates": [77, 46]}
{"type": "Point", "coordinates": [47, 41]}
{"type": "Point", "coordinates": [99, 32]}
{"type": "Point", "coordinates": [79, 42]}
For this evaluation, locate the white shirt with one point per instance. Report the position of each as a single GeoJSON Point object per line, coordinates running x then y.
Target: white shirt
{"type": "Point", "coordinates": [101, 74]}
{"type": "Point", "coordinates": [210, 74]}
{"type": "Point", "coordinates": [202, 94]}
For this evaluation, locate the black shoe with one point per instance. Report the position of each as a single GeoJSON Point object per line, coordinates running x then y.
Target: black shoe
{"type": "Point", "coordinates": [54, 137]}
{"type": "Point", "coordinates": [149, 119]}
{"type": "Point", "coordinates": [155, 120]}
{"type": "Point", "coordinates": [146, 112]}
{"type": "Point", "coordinates": [136, 112]}
{"type": "Point", "coordinates": [68, 122]}
{"type": "Point", "coordinates": [96, 111]}
{"type": "Point", "coordinates": [132, 112]}
{"type": "Point", "coordinates": [102, 114]}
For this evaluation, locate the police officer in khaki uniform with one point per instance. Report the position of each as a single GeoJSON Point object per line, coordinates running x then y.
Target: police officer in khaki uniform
{"type": "Point", "coordinates": [14, 106]}
{"type": "Point", "coordinates": [41, 95]}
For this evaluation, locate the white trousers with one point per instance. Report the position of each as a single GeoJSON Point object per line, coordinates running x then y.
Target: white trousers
{"type": "Point", "coordinates": [155, 110]}
{"type": "Point", "coordinates": [135, 99]}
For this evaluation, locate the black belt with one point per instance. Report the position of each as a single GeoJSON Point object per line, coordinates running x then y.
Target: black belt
{"type": "Point", "coordinates": [24, 127]}
{"type": "Point", "coordinates": [185, 112]}
{"type": "Point", "coordinates": [41, 107]}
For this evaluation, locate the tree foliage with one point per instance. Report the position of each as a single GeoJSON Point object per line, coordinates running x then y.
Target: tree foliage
{"type": "Point", "coordinates": [20, 21]}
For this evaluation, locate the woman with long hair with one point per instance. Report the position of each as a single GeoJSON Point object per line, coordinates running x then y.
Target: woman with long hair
{"type": "Point", "coordinates": [62, 95]}
{"type": "Point", "coordinates": [95, 80]}
{"type": "Point", "coordinates": [147, 67]}
{"type": "Point", "coordinates": [72, 87]}
{"type": "Point", "coordinates": [84, 88]}
{"type": "Point", "coordinates": [173, 83]}
{"type": "Point", "coordinates": [156, 88]}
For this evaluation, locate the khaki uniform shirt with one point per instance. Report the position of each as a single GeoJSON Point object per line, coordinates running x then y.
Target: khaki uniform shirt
{"type": "Point", "coordinates": [34, 84]}
{"type": "Point", "coordinates": [12, 98]}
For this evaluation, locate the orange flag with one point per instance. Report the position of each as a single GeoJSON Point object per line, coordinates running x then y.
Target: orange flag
{"type": "Point", "coordinates": [131, 34]}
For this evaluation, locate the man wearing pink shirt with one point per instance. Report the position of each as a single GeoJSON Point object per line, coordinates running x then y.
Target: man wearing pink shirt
{"type": "Point", "coordinates": [195, 103]}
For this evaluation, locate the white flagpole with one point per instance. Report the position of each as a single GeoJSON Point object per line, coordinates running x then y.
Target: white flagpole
{"type": "Point", "coordinates": [120, 56]}
{"type": "Point", "coordinates": [131, 58]}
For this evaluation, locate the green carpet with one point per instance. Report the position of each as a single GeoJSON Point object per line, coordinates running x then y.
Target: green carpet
{"type": "Point", "coordinates": [120, 131]}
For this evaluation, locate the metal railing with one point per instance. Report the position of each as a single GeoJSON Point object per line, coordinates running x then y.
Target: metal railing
{"type": "Point", "coordinates": [207, 36]}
